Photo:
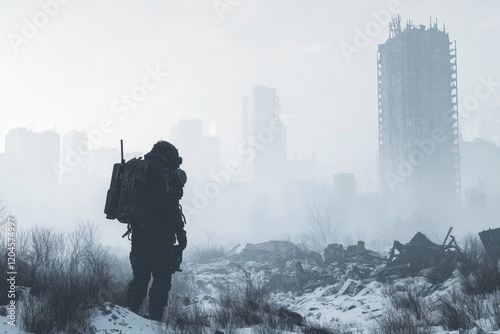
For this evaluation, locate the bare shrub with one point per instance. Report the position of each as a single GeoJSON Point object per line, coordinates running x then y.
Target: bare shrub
{"type": "Point", "coordinates": [207, 250]}
{"type": "Point", "coordinates": [182, 284]}
{"type": "Point", "coordinates": [473, 252]}
{"type": "Point", "coordinates": [454, 313]}
{"type": "Point", "coordinates": [408, 312]}
{"type": "Point", "coordinates": [69, 273]}
{"type": "Point", "coordinates": [480, 273]}
{"type": "Point", "coordinates": [44, 255]}
{"type": "Point", "coordinates": [484, 279]}
{"type": "Point", "coordinates": [63, 308]}
{"type": "Point", "coordinates": [247, 304]}
{"type": "Point", "coordinates": [325, 223]}
{"type": "Point", "coordinates": [243, 303]}
{"type": "Point", "coordinates": [494, 305]}
{"type": "Point", "coordinates": [443, 270]}
{"type": "Point", "coordinates": [400, 322]}
{"type": "Point", "coordinates": [190, 319]}
{"type": "Point", "coordinates": [408, 298]}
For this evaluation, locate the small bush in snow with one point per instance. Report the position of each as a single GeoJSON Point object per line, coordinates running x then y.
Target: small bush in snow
{"type": "Point", "coordinates": [69, 273]}
{"type": "Point", "coordinates": [444, 270]}
{"type": "Point", "coordinates": [454, 316]}
{"type": "Point", "coordinates": [480, 273]}
{"type": "Point", "coordinates": [400, 322]}
{"type": "Point", "coordinates": [190, 319]}
{"type": "Point", "coordinates": [481, 276]}
{"type": "Point", "coordinates": [407, 298]}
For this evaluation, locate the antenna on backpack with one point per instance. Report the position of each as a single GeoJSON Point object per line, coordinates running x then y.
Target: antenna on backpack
{"type": "Point", "coordinates": [121, 148]}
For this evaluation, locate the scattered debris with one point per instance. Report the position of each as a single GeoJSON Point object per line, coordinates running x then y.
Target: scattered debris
{"type": "Point", "coordinates": [349, 269]}
{"type": "Point", "coordinates": [287, 268]}
{"type": "Point", "coordinates": [419, 254]}
{"type": "Point", "coordinates": [334, 253]}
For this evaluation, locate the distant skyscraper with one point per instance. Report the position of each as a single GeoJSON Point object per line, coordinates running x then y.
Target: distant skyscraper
{"type": "Point", "coordinates": [201, 154]}
{"type": "Point", "coordinates": [418, 121]}
{"type": "Point", "coordinates": [37, 155]}
{"type": "Point", "coordinates": [20, 141]}
{"type": "Point", "coordinates": [187, 132]}
{"type": "Point", "coordinates": [264, 132]}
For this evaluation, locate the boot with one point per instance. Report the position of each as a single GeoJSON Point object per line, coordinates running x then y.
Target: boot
{"type": "Point", "coordinates": [156, 309]}
{"type": "Point", "coordinates": [134, 303]}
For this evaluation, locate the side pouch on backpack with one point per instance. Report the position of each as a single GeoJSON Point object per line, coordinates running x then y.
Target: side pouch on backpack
{"type": "Point", "coordinates": [174, 182]}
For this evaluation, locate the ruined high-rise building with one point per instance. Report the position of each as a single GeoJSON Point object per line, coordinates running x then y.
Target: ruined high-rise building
{"type": "Point", "coordinates": [419, 159]}
{"type": "Point", "coordinates": [264, 134]}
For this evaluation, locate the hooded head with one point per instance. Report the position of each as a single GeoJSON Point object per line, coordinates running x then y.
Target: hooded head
{"type": "Point", "coordinates": [169, 152]}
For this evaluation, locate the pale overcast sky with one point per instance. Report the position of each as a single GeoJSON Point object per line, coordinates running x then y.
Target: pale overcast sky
{"type": "Point", "coordinates": [91, 52]}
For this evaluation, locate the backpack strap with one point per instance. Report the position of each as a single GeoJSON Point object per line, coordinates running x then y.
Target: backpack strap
{"type": "Point", "coordinates": [182, 214]}
{"type": "Point", "coordinates": [129, 232]}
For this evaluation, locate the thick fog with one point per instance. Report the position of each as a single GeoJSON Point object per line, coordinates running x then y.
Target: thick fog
{"type": "Point", "coordinates": [272, 105]}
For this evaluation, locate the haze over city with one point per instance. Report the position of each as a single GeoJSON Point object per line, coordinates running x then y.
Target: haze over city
{"type": "Point", "coordinates": [197, 60]}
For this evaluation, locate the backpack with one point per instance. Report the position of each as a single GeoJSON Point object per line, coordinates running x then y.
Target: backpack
{"type": "Point", "coordinates": [125, 197]}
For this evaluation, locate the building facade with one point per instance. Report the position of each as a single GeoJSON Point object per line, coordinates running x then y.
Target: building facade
{"type": "Point", "coordinates": [419, 162]}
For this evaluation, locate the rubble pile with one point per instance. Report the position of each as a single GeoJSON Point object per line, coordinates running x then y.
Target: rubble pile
{"type": "Point", "coordinates": [285, 267]}
{"type": "Point", "coordinates": [300, 270]}
{"type": "Point", "coordinates": [278, 252]}
{"type": "Point", "coordinates": [291, 268]}
{"type": "Point", "coordinates": [344, 282]}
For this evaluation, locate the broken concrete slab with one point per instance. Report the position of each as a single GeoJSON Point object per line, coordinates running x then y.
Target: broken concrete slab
{"type": "Point", "coordinates": [491, 242]}
{"type": "Point", "coordinates": [351, 288]}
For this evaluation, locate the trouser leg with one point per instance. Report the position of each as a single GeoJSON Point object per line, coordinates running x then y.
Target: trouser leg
{"type": "Point", "coordinates": [141, 269]}
{"type": "Point", "coordinates": [137, 288]}
{"type": "Point", "coordinates": [158, 293]}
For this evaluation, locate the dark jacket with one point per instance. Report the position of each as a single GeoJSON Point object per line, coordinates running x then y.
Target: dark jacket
{"type": "Point", "coordinates": [162, 209]}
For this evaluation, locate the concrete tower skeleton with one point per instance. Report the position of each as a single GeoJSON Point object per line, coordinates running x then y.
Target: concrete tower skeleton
{"type": "Point", "coordinates": [419, 161]}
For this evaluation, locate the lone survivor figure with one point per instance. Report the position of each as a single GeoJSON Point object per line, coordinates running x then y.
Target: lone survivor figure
{"type": "Point", "coordinates": [153, 252]}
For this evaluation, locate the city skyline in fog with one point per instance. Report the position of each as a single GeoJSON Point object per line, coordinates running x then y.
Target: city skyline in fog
{"type": "Point", "coordinates": [74, 75]}
{"type": "Point", "coordinates": [135, 71]}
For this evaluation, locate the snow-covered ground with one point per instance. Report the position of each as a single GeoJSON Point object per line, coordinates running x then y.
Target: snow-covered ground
{"type": "Point", "coordinates": [359, 312]}
{"type": "Point", "coordinates": [354, 305]}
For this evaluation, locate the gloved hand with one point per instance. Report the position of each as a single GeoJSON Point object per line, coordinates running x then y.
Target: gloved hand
{"type": "Point", "coordinates": [182, 240]}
